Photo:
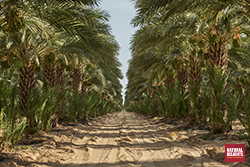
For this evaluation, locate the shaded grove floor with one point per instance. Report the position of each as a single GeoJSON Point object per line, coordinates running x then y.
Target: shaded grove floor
{"type": "Point", "coordinates": [125, 139]}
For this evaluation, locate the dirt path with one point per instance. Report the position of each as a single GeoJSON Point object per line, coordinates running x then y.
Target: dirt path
{"type": "Point", "coordinates": [123, 139]}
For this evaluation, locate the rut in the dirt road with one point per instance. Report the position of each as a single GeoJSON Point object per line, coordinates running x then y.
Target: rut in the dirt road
{"type": "Point", "coordinates": [122, 139]}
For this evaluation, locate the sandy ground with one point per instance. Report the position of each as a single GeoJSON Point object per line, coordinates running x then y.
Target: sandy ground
{"type": "Point", "coordinates": [125, 139]}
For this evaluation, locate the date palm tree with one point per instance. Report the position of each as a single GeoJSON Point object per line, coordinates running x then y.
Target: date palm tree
{"type": "Point", "coordinates": [218, 26]}
{"type": "Point", "coordinates": [22, 32]}
{"type": "Point", "coordinates": [28, 26]}
{"type": "Point", "coordinates": [212, 12]}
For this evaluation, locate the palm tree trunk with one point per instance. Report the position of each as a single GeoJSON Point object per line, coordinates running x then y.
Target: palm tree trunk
{"type": "Point", "coordinates": [77, 80]}
{"type": "Point", "coordinates": [25, 84]}
{"type": "Point", "coordinates": [182, 76]}
{"type": "Point", "coordinates": [49, 73]}
{"type": "Point", "coordinates": [169, 80]}
{"type": "Point", "coordinates": [195, 78]}
{"type": "Point", "coordinates": [61, 79]}
{"type": "Point", "coordinates": [194, 70]}
{"type": "Point", "coordinates": [217, 55]}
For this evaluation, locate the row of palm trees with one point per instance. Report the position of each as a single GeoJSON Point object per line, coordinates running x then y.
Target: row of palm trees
{"type": "Point", "coordinates": [65, 43]}
{"type": "Point", "coordinates": [180, 41]}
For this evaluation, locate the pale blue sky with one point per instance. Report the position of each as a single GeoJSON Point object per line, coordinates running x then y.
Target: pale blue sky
{"type": "Point", "coordinates": [121, 12]}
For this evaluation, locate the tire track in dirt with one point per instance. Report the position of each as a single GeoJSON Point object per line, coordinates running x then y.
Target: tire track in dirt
{"type": "Point", "coordinates": [136, 127]}
{"type": "Point", "coordinates": [118, 144]}
{"type": "Point", "coordinates": [100, 147]}
{"type": "Point", "coordinates": [109, 149]}
{"type": "Point", "coordinates": [161, 153]}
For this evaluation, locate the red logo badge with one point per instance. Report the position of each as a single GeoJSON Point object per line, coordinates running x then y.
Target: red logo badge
{"type": "Point", "coordinates": [234, 152]}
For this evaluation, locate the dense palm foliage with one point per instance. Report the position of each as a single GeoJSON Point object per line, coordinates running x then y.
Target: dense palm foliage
{"type": "Point", "coordinates": [190, 60]}
{"type": "Point", "coordinates": [58, 63]}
